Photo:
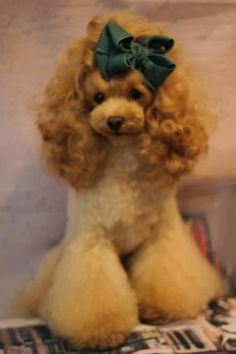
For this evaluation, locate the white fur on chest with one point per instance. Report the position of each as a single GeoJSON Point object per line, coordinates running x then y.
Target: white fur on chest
{"type": "Point", "coordinates": [115, 203]}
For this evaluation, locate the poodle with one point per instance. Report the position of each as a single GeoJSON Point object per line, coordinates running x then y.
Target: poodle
{"type": "Point", "coordinates": [121, 137]}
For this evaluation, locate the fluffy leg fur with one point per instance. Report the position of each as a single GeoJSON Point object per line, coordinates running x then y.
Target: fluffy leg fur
{"type": "Point", "coordinates": [91, 302]}
{"type": "Point", "coordinates": [171, 278]}
{"type": "Point", "coordinates": [28, 301]}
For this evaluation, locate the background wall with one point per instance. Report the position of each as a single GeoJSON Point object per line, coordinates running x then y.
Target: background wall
{"type": "Point", "coordinates": [32, 34]}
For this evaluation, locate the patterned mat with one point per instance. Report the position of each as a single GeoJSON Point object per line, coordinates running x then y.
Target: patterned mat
{"type": "Point", "coordinates": [213, 331]}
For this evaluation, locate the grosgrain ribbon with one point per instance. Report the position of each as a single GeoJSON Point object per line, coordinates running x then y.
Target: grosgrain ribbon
{"type": "Point", "coordinates": [117, 52]}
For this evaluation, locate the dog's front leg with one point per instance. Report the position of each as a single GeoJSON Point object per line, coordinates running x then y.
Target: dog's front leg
{"type": "Point", "coordinates": [171, 278]}
{"type": "Point", "coordinates": [91, 302]}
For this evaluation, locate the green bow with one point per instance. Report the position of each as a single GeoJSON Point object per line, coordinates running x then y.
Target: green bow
{"type": "Point", "coordinates": [116, 52]}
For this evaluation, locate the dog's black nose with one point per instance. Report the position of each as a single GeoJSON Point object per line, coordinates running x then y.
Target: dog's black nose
{"type": "Point", "coordinates": [115, 123]}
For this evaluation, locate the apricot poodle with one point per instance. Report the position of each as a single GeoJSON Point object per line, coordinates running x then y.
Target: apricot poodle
{"type": "Point", "coordinates": [121, 126]}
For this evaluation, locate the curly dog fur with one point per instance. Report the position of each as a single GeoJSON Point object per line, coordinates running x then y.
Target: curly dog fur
{"type": "Point", "coordinates": [127, 254]}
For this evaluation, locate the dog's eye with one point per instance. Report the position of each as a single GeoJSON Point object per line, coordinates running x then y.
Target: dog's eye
{"type": "Point", "coordinates": [135, 94]}
{"type": "Point", "coordinates": [99, 97]}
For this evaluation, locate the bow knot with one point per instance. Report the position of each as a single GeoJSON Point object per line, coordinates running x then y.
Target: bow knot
{"type": "Point", "coordinates": [116, 52]}
{"type": "Point", "coordinates": [140, 53]}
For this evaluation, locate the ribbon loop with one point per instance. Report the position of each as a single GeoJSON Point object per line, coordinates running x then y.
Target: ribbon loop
{"type": "Point", "coordinates": [117, 52]}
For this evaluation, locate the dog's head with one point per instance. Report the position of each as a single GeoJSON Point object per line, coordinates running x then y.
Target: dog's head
{"type": "Point", "coordinates": [83, 112]}
{"type": "Point", "coordinates": [117, 107]}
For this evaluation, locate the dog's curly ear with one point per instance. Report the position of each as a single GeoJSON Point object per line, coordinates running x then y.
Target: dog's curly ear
{"type": "Point", "coordinates": [177, 126]}
{"type": "Point", "coordinates": [71, 150]}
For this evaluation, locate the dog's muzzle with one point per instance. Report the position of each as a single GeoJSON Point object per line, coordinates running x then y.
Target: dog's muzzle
{"type": "Point", "coordinates": [115, 123]}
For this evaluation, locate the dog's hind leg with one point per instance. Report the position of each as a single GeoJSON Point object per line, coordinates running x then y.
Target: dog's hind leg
{"type": "Point", "coordinates": [171, 278]}
{"type": "Point", "coordinates": [28, 300]}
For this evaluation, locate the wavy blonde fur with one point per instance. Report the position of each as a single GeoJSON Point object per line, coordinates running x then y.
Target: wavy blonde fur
{"type": "Point", "coordinates": [175, 137]}
{"type": "Point", "coordinates": [126, 255]}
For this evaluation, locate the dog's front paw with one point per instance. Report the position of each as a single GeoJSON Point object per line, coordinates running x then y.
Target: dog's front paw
{"type": "Point", "coordinates": [153, 316]}
{"type": "Point", "coordinates": [114, 339]}
{"type": "Point", "coordinates": [107, 341]}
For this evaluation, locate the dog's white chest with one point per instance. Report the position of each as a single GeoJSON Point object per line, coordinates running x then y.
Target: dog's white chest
{"type": "Point", "coordinates": [116, 204]}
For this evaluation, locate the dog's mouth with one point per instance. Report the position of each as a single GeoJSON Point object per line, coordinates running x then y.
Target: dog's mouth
{"type": "Point", "coordinates": [118, 127]}
{"type": "Point", "coordinates": [117, 133]}
{"type": "Point", "coordinates": [120, 134]}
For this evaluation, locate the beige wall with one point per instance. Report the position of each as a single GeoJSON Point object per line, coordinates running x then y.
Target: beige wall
{"type": "Point", "coordinates": [32, 34]}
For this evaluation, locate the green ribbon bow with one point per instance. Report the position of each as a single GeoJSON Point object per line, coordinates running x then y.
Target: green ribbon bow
{"type": "Point", "coordinates": [116, 52]}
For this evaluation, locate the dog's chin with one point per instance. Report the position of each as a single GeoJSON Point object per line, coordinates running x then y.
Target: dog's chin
{"type": "Point", "coordinates": [122, 138]}
{"type": "Point", "coordinates": [119, 136]}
